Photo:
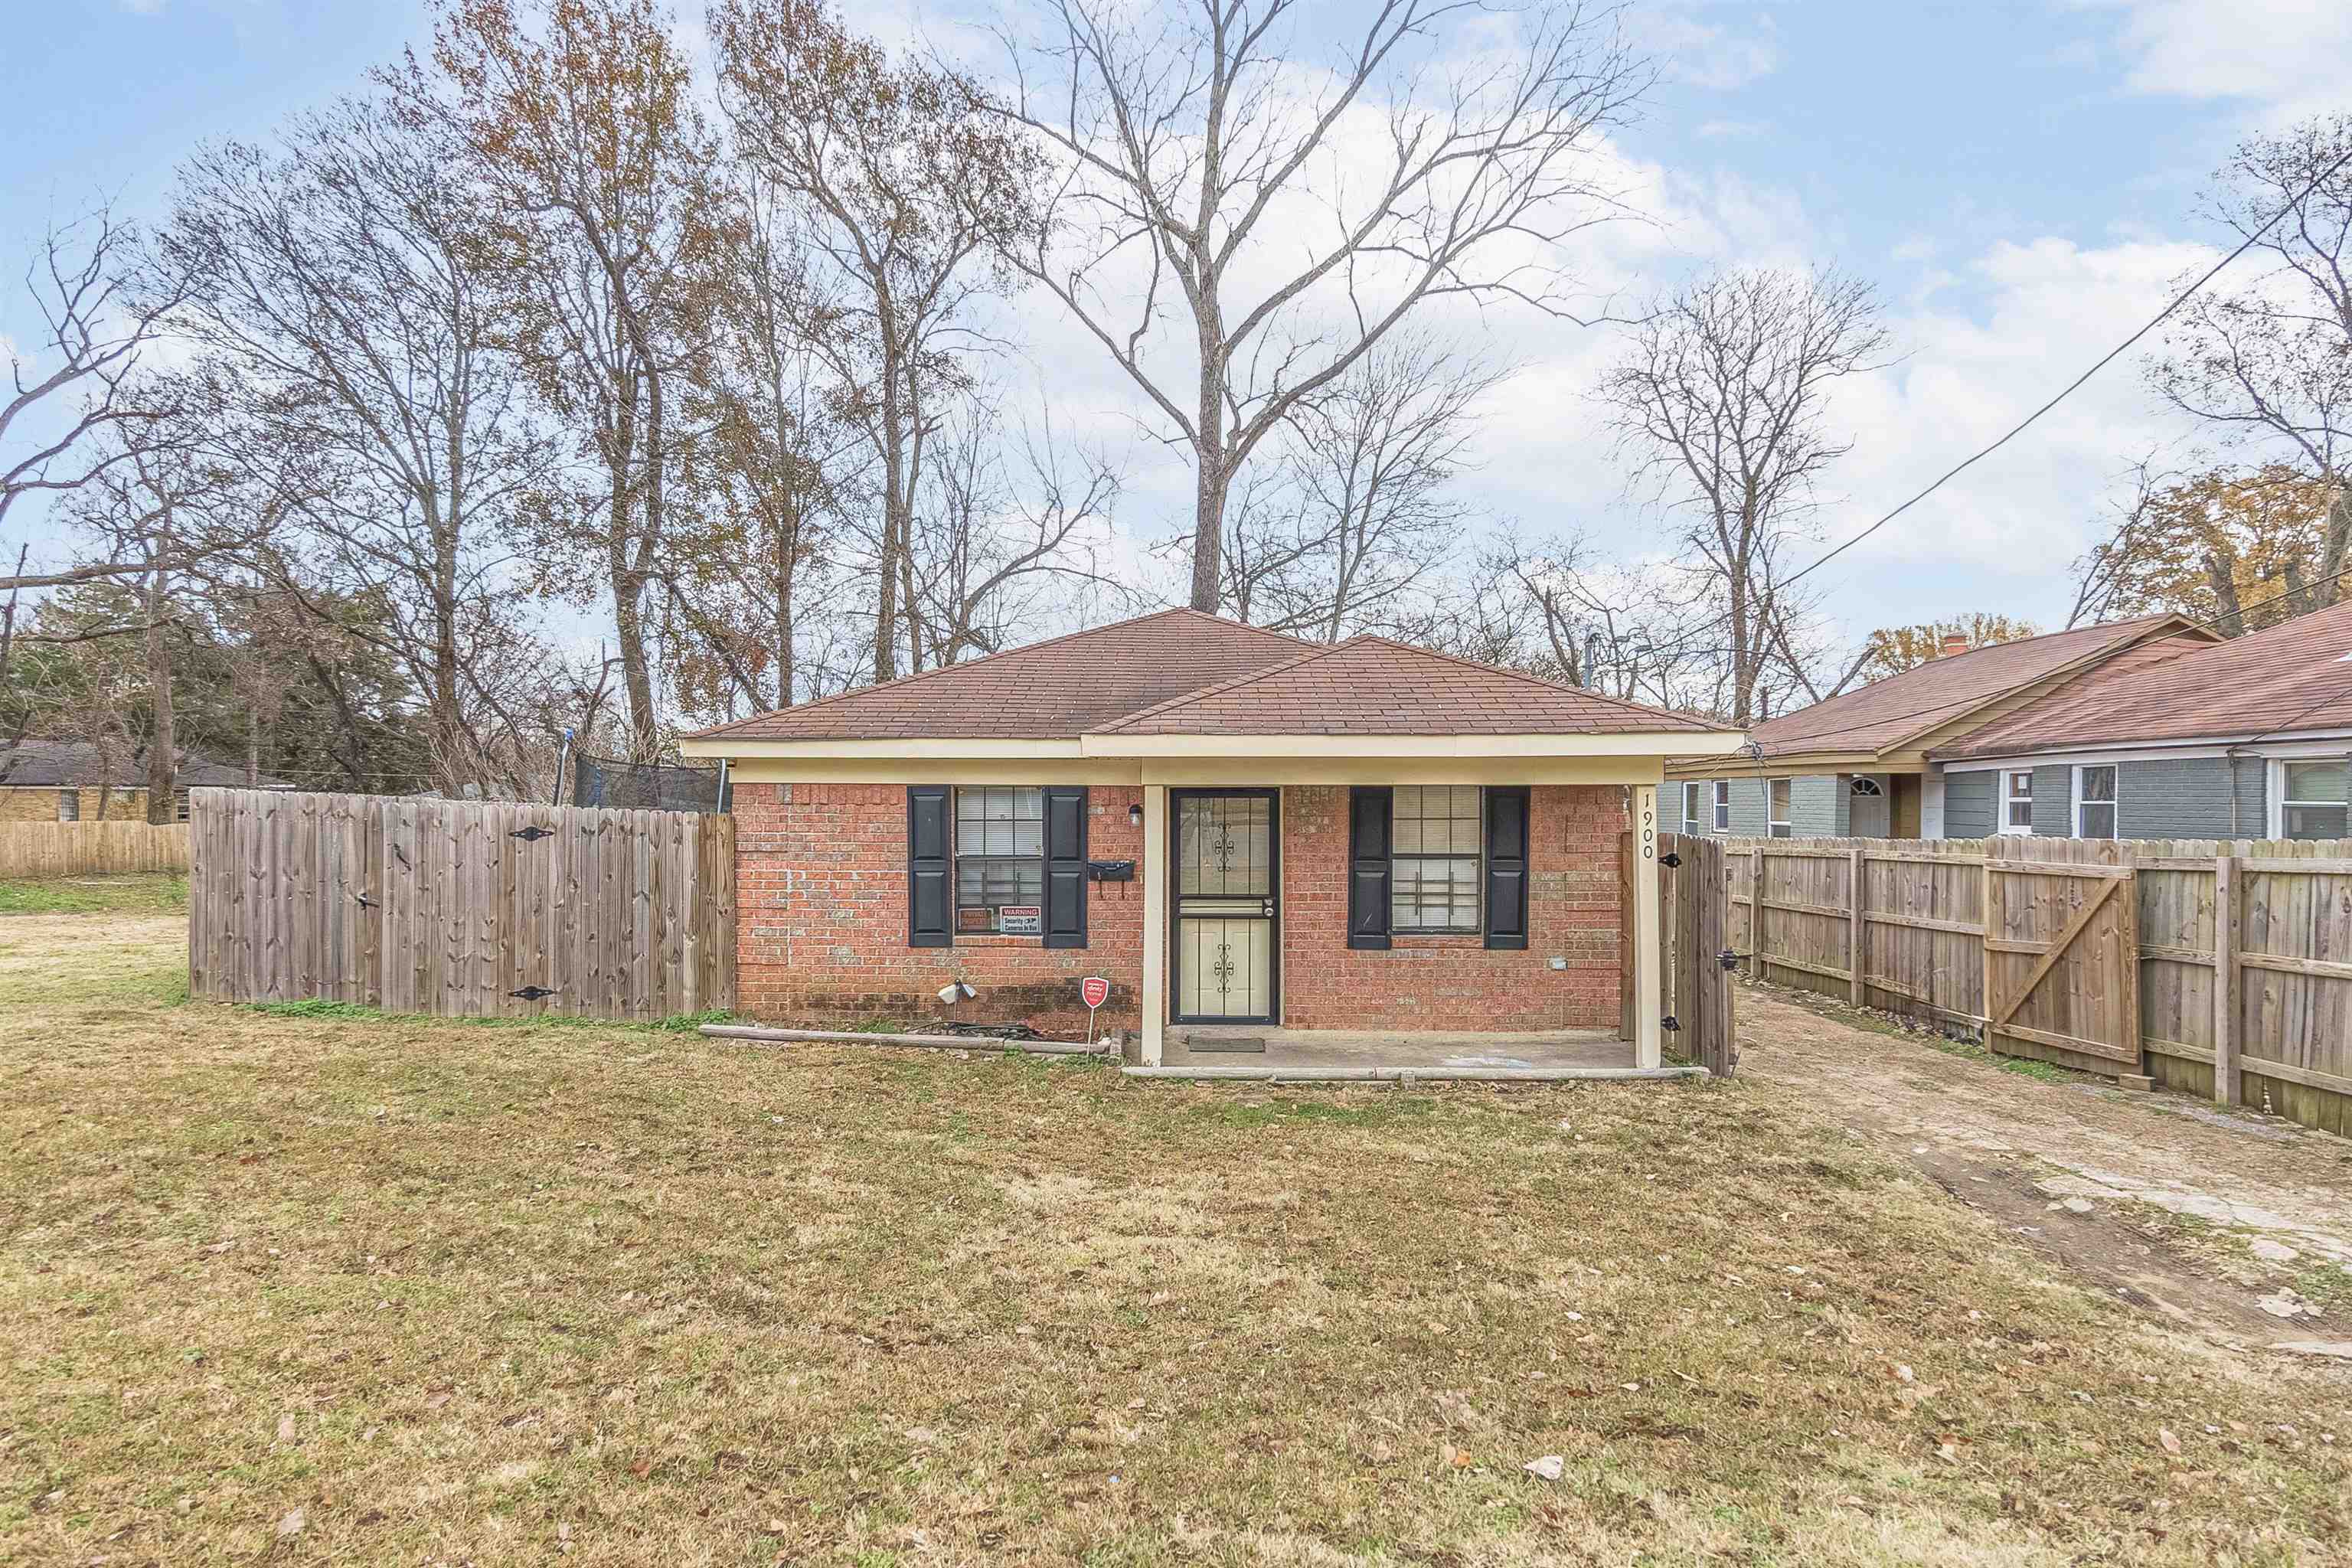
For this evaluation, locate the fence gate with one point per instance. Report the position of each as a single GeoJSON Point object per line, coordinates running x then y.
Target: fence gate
{"type": "Point", "coordinates": [2061, 957]}
{"type": "Point", "coordinates": [1695, 910]}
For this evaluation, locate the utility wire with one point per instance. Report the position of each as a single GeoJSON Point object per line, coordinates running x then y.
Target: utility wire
{"type": "Point", "coordinates": [2154, 322]}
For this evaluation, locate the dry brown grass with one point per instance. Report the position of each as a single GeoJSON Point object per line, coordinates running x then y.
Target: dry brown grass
{"type": "Point", "coordinates": [452, 1292]}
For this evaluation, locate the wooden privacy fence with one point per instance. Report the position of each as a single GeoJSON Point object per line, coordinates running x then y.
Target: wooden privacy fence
{"type": "Point", "coordinates": [465, 908]}
{"type": "Point", "coordinates": [2221, 968]}
{"type": "Point", "coordinates": [1694, 989]}
{"type": "Point", "coordinates": [37, 849]}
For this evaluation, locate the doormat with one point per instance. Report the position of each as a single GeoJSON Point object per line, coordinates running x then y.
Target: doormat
{"type": "Point", "coordinates": [1236, 1043]}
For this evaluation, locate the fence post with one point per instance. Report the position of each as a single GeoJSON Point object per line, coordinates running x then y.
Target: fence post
{"type": "Point", "coordinates": [2226, 978]}
{"type": "Point", "coordinates": [1856, 929]}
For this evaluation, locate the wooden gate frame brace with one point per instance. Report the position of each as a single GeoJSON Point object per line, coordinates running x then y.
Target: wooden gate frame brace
{"type": "Point", "coordinates": [2057, 950]}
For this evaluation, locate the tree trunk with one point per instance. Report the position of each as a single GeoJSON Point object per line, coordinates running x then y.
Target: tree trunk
{"type": "Point", "coordinates": [2221, 575]}
{"type": "Point", "coordinates": [253, 745]}
{"type": "Point", "coordinates": [162, 754]}
{"type": "Point", "coordinates": [2335, 545]}
{"type": "Point", "coordinates": [443, 715]}
{"type": "Point", "coordinates": [1209, 501]}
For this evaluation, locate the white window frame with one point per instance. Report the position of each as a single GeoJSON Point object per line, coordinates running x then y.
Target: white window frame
{"type": "Point", "coordinates": [1478, 858]}
{"type": "Point", "coordinates": [2274, 790]}
{"type": "Point", "coordinates": [1780, 827]}
{"type": "Point", "coordinates": [2114, 803]}
{"type": "Point", "coordinates": [68, 805]}
{"type": "Point", "coordinates": [1691, 796]}
{"type": "Point", "coordinates": [2008, 797]}
{"type": "Point", "coordinates": [1722, 805]}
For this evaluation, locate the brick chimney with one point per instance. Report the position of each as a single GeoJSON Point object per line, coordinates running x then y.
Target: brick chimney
{"type": "Point", "coordinates": [1955, 643]}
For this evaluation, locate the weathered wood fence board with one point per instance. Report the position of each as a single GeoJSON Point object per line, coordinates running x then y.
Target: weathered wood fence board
{"type": "Point", "coordinates": [1694, 988]}
{"type": "Point", "coordinates": [2218, 968]}
{"type": "Point", "coordinates": [464, 908]}
{"type": "Point", "coordinates": [36, 850]}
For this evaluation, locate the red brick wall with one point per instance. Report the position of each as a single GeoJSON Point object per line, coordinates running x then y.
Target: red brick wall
{"type": "Point", "coordinates": [1454, 982]}
{"type": "Point", "coordinates": [822, 934]}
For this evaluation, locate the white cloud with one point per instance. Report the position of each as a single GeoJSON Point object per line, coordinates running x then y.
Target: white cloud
{"type": "Point", "coordinates": [2290, 57]}
{"type": "Point", "coordinates": [1712, 55]}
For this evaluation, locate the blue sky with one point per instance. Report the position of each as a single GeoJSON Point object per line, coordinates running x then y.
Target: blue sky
{"type": "Point", "coordinates": [2018, 178]}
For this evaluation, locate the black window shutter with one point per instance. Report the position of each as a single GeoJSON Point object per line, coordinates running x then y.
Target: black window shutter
{"type": "Point", "coordinates": [1368, 865]}
{"type": "Point", "coordinates": [1507, 866]}
{"type": "Point", "coordinates": [1065, 865]}
{"type": "Point", "coordinates": [929, 902]}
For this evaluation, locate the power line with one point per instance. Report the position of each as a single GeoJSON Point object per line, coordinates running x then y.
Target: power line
{"type": "Point", "coordinates": [2153, 322]}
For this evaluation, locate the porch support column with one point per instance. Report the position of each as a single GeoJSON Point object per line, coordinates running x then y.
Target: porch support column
{"type": "Point", "coordinates": [1154, 871]}
{"type": "Point", "coordinates": [1649, 956]}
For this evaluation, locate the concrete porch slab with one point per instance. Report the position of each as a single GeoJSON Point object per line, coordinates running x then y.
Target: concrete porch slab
{"type": "Point", "coordinates": [1425, 1052]}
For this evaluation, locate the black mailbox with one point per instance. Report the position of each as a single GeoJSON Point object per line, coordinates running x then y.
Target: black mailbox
{"type": "Point", "coordinates": [1110, 870]}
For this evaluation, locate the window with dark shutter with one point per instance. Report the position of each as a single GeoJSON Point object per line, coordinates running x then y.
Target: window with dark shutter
{"type": "Point", "coordinates": [929, 901]}
{"type": "Point", "coordinates": [1065, 865]}
{"type": "Point", "coordinates": [1368, 872]}
{"type": "Point", "coordinates": [1507, 866]}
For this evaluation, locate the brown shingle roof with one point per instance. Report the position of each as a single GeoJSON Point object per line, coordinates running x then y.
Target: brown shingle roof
{"type": "Point", "coordinates": [1370, 686]}
{"type": "Point", "coordinates": [2291, 678]}
{"type": "Point", "coordinates": [1886, 713]}
{"type": "Point", "coordinates": [1181, 673]}
{"type": "Point", "coordinates": [1049, 691]}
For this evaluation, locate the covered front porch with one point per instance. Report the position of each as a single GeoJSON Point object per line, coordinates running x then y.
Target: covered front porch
{"type": "Point", "coordinates": [1401, 1056]}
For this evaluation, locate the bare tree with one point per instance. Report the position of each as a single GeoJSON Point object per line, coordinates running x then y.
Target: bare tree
{"type": "Point", "coordinates": [579, 119]}
{"type": "Point", "coordinates": [74, 407]}
{"type": "Point", "coordinates": [777, 466]}
{"type": "Point", "coordinates": [905, 179]}
{"type": "Point", "coordinates": [1369, 518]}
{"type": "Point", "coordinates": [2270, 366]}
{"type": "Point", "coordinates": [1643, 631]}
{"type": "Point", "coordinates": [1002, 544]}
{"type": "Point", "coordinates": [331, 275]}
{"type": "Point", "coordinates": [1719, 405]}
{"type": "Point", "coordinates": [1292, 211]}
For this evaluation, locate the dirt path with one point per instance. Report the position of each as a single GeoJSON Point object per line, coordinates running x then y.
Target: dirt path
{"type": "Point", "coordinates": [2238, 1225]}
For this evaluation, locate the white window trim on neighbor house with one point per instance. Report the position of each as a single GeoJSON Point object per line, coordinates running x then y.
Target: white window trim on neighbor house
{"type": "Point", "coordinates": [2011, 799]}
{"type": "Point", "coordinates": [2274, 790]}
{"type": "Point", "coordinates": [1691, 797]}
{"type": "Point", "coordinates": [1780, 797]}
{"type": "Point", "coordinates": [1723, 805]}
{"type": "Point", "coordinates": [2113, 804]}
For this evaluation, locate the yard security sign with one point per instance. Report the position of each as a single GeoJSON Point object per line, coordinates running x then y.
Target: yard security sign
{"type": "Point", "coordinates": [1094, 989]}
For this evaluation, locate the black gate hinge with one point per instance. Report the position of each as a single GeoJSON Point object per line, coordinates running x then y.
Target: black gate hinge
{"type": "Point", "coordinates": [365, 902]}
{"type": "Point", "coordinates": [532, 834]}
{"type": "Point", "coordinates": [1730, 960]}
{"type": "Point", "coordinates": [531, 993]}
{"type": "Point", "coordinates": [1673, 1027]}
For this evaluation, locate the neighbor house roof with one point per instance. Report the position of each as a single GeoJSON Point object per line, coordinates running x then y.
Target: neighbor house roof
{"type": "Point", "coordinates": [1183, 672]}
{"type": "Point", "coordinates": [75, 765]}
{"type": "Point", "coordinates": [1901, 710]}
{"type": "Point", "coordinates": [2293, 677]}
{"type": "Point", "coordinates": [1370, 686]}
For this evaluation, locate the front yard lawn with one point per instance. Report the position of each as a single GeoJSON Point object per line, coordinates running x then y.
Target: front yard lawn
{"type": "Point", "coordinates": [378, 1289]}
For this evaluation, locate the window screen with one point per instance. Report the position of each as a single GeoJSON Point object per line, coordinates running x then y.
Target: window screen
{"type": "Point", "coordinates": [1435, 878]}
{"type": "Point", "coordinates": [1000, 859]}
{"type": "Point", "coordinates": [2018, 810]}
{"type": "Point", "coordinates": [1776, 825]}
{"type": "Point", "coordinates": [2094, 801]}
{"type": "Point", "coordinates": [2312, 804]}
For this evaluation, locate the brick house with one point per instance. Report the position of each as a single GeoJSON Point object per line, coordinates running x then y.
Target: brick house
{"type": "Point", "coordinates": [1233, 826]}
{"type": "Point", "coordinates": [73, 781]}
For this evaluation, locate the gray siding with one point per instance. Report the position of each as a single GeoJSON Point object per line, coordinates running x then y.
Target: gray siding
{"type": "Point", "coordinates": [1817, 806]}
{"type": "Point", "coordinates": [1748, 803]}
{"type": "Point", "coordinates": [2190, 797]}
{"type": "Point", "coordinates": [1972, 804]}
{"type": "Point", "coordinates": [2053, 801]}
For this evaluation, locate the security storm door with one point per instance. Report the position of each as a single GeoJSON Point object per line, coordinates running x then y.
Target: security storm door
{"type": "Point", "coordinates": [1228, 882]}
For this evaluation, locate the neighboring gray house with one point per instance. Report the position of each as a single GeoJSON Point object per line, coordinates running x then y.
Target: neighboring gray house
{"type": "Point", "coordinates": [1858, 764]}
{"type": "Point", "coordinates": [2243, 739]}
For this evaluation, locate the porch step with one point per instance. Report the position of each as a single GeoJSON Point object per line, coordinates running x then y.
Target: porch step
{"type": "Point", "coordinates": [1236, 1044]}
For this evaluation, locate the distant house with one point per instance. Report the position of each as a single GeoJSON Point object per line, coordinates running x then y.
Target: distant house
{"type": "Point", "coordinates": [69, 781]}
{"type": "Point", "coordinates": [1860, 766]}
{"type": "Point", "coordinates": [2185, 739]}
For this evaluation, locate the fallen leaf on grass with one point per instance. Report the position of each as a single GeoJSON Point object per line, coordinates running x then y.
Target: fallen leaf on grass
{"type": "Point", "coordinates": [2172, 1443]}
